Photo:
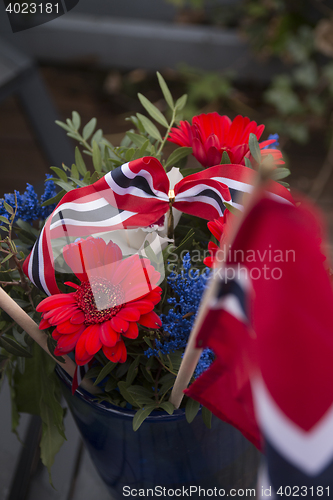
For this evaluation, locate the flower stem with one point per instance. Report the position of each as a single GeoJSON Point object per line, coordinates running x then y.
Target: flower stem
{"type": "Point", "coordinates": [167, 132]}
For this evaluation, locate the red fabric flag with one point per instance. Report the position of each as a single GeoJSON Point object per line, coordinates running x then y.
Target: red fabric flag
{"type": "Point", "coordinates": [291, 366]}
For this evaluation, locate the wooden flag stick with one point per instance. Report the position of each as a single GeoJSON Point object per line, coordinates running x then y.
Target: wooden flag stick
{"type": "Point", "coordinates": [23, 319]}
{"type": "Point", "coordinates": [192, 354]}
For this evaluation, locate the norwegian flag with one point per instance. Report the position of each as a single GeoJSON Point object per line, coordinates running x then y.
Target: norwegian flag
{"type": "Point", "coordinates": [289, 361]}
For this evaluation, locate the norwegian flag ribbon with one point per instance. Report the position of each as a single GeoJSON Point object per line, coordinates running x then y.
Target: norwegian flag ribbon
{"type": "Point", "coordinates": [137, 194]}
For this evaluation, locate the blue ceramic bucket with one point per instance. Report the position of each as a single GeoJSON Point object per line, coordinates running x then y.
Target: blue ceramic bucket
{"type": "Point", "coordinates": [166, 451]}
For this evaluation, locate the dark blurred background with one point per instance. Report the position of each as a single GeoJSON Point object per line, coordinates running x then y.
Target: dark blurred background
{"type": "Point", "coordinates": [270, 60]}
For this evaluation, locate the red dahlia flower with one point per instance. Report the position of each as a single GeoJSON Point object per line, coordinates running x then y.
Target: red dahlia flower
{"type": "Point", "coordinates": [219, 228]}
{"type": "Point", "coordinates": [211, 134]}
{"type": "Point", "coordinates": [113, 297]}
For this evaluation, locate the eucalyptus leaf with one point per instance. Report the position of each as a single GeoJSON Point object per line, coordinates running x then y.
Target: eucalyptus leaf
{"type": "Point", "coordinates": [280, 173]}
{"type": "Point", "coordinates": [248, 163]}
{"type": "Point", "coordinates": [149, 127]}
{"type": "Point", "coordinates": [154, 112]}
{"type": "Point", "coordinates": [66, 186]}
{"type": "Point", "coordinates": [255, 148]}
{"type": "Point", "coordinates": [9, 209]}
{"type": "Point", "coordinates": [165, 90]}
{"type": "Point", "coordinates": [4, 219]}
{"type": "Point", "coordinates": [180, 103]}
{"type": "Point", "coordinates": [97, 158]}
{"type": "Point", "coordinates": [89, 128]}
{"type": "Point", "coordinates": [76, 120]}
{"type": "Point", "coordinates": [75, 172]}
{"type": "Point", "coordinates": [55, 199]}
{"type": "Point", "coordinates": [81, 166]}
{"type": "Point", "coordinates": [137, 139]}
{"type": "Point", "coordinates": [63, 125]}
{"type": "Point", "coordinates": [177, 155]}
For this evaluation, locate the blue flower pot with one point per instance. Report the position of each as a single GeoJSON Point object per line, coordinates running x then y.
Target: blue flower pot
{"type": "Point", "coordinates": [166, 451]}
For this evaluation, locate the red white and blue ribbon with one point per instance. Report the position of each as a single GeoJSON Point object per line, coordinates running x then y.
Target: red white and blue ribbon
{"type": "Point", "coordinates": [137, 194]}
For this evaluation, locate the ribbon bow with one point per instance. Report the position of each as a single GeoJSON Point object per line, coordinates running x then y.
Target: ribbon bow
{"type": "Point", "coordinates": [137, 194]}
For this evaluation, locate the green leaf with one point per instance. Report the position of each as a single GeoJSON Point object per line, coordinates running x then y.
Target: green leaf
{"type": "Point", "coordinates": [225, 160]}
{"type": "Point", "coordinates": [51, 440]}
{"type": "Point", "coordinates": [63, 125]}
{"type": "Point", "coordinates": [149, 127]}
{"type": "Point", "coordinates": [129, 154]}
{"type": "Point", "coordinates": [166, 92]}
{"type": "Point", "coordinates": [76, 119]}
{"type": "Point", "coordinates": [60, 173]}
{"type": "Point", "coordinates": [97, 136]}
{"type": "Point", "coordinates": [167, 386]}
{"type": "Point", "coordinates": [206, 417]}
{"type": "Point", "coordinates": [75, 173]}
{"type": "Point", "coordinates": [52, 344]}
{"type": "Point", "coordinates": [154, 112]}
{"type": "Point", "coordinates": [126, 395]}
{"type": "Point", "coordinates": [168, 407]}
{"type": "Point", "coordinates": [280, 173]}
{"type": "Point", "coordinates": [180, 103]}
{"type": "Point", "coordinates": [55, 198]}
{"type": "Point", "coordinates": [97, 158]}
{"type": "Point", "coordinates": [80, 162]}
{"type": "Point", "coordinates": [189, 171]}
{"type": "Point", "coordinates": [89, 128]}
{"type": "Point", "coordinates": [105, 371]}
{"type": "Point", "coordinates": [4, 219]}
{"type": "Point", "coordinates": [14, 347]}
{"type": "Point", "coordinates": [255, 148]}
{"type": "Point", "coordinates": [232, 209]}
{"type": "Point", "coordinates": [144, 148]}
{"type": "Point", "coordinates": [132, 371]}
{"type": "Point", "coordinates": [177, 155]}
{"type": "Point", "coordinates": [111, 384]}
{"type": "Point", "coordinates": [248, 163]}
{"type": "Point", "coordinates": [66, 186]}
{"type": "Point", "coordinates": [141, 416]}
{"type": "Point", "coordinates": [8, 208]}
{"type": "Point", "coordinates": [9, 256]}
{"type": "Point", "coordinates": [137, 139]}
{"type": "Point", "coordinates": [191, 409]}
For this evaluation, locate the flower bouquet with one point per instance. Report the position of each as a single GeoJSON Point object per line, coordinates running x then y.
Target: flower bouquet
{"type": "Point", "coordinates": [113, 259]}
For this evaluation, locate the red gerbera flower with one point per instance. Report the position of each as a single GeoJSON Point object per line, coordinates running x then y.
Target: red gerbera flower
{"type": "Point", "coordinates": [219, 228]}
{"type": "Point", "coordinates": [211, 134]}
{"type": "Point", "coordinates": [115, 295]}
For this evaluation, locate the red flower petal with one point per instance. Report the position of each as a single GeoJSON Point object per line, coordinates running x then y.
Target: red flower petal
{"type": "Point", "coordinates": [116, 353]}
{"type": "Point", "coordinates": [132, 331]}
{"type": "Point", "coordinates": [44, 324]}
{"type": "Point", "coordinates": [109, 337]}
{"type": "Point", "coordinates": [58, 300]}
{"type": "Point", "coordinates": [93, 342]}
{"type": "Point", "coordinates": [143, 306]}
{"type": "Point", "coordinates": [77, 318]}
{"type": "Point", "coordinates": [118, 324]}
{"type": "Point", "coordinates": [67, 343]}
{"type": "Point", "coordinates": [67, 327]}
{"type": "Point", "coordinates": [150, 320]}
{"type": "Point", "coordinates": [129, 313]}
